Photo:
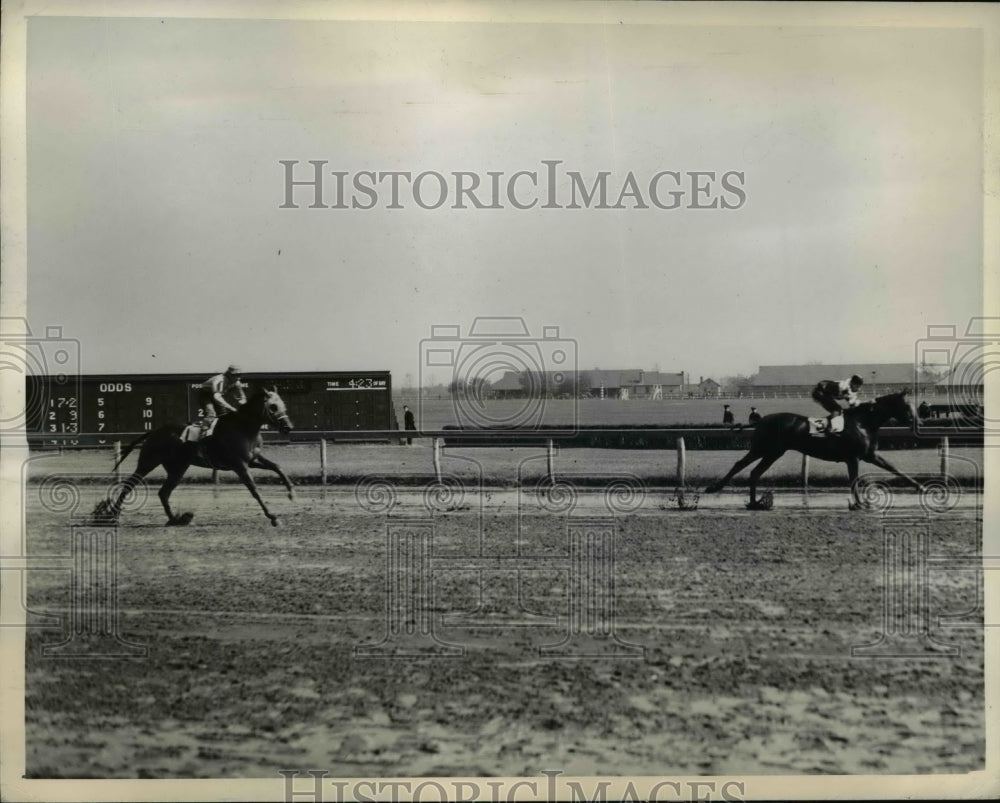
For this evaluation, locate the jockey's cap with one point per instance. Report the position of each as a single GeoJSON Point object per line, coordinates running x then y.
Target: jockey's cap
{"type": "Point", "coordinates": [857, 380]}
{"type": "Point", "coordinates": [232, 369]}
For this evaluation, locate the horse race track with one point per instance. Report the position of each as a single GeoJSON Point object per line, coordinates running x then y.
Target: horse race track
{"type": "Point", "coordinates": [700, 642]}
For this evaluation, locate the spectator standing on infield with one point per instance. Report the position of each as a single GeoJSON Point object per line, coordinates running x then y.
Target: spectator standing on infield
{"type": "Point", "coordinates": [754, 416]}
{"type": "Point", "coordinates": [727, 416]}
{"type": "Point", "coordinates": [408, 423]}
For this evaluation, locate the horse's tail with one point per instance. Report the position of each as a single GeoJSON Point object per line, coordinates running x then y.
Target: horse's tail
{"type": "Point", "coordinates": [128, 449]}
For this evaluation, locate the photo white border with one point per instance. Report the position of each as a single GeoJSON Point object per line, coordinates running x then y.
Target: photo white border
{"type": "Point", "coordinates": [13, 304]}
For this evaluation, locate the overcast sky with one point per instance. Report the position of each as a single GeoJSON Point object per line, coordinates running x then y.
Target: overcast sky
{"type": "Point", "coordinates": [156, 235]}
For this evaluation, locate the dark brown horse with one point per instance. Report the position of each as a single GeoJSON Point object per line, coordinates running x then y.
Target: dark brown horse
{"type": "Point", "coordinates": [776, 434]}
{"type": "Point", "coordinates": [234, 445]}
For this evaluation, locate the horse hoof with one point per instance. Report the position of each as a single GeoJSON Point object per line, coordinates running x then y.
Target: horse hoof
{"type": "Point", "coordinates": [103, 514]}
{"type": "Point", "coordinates": [274, 521]}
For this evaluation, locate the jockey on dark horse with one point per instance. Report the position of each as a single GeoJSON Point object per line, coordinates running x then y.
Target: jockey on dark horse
{"type": "Point", "coordinates": [213, 391]}
{"type": "Point", "coordinates": [829, 393]}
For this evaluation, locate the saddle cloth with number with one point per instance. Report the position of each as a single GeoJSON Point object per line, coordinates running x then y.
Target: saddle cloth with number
{"type": "Point", "coordinates": [193, 433]}
{"type": "Point", "coordinates": [819, 426]}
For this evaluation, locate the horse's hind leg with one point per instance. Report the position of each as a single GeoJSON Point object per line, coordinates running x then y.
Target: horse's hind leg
{"type": "Point", "coordinates": [110, 509]}
{"type": "Point", "coordinates": [174, 474]}
{"type": "Point", "coordinates": [259, 461]}
{"type": "Point", "coordinates": [741, 464]}
{"type": "Point", "coordinates": [113, 508]}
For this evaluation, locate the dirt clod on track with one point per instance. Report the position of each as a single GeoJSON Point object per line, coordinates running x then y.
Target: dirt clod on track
{"type": "Point", "coordinates": [714, 641]}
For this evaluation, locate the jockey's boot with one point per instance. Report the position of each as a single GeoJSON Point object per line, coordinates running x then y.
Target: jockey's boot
{"type": "Point", "coordinates": [830, 429]}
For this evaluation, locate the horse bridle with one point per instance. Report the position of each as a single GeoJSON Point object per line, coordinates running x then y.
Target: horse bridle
{"type": "Point", "coordinates": [272, 417]}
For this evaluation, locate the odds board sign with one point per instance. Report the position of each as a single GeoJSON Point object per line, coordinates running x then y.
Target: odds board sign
{"type": "Point", "coordinates": [79, 410]}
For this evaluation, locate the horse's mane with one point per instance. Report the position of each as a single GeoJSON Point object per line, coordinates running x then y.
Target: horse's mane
{"type": "Point", "coordinates": [255, 400]}
{"type": "Point", "coordinates": [871, 405]}
{"type": "Point", "coordinates": [894, 396]}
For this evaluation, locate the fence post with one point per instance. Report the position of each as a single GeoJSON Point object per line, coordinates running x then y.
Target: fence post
{"type": "Point", "coordinates": [681, 462]}
{"type": "Point", "coordinates": [551, 462]}
{"type": "Point", "coordinates": [118, 457]}
{"type": "Point", "coordinates": [944, 456]}
{"type": "Point", "coordinates": [437, 458]}
{"type": "Point", "coordinates": [215, 476]}
{"type": "Point", "coordinates": [322, 461]}
{"type": "Point", "coordinates": [805, 471]}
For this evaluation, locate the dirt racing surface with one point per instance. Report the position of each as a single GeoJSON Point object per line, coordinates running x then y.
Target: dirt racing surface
{"type": "Point", "coordinates": [509, 634]}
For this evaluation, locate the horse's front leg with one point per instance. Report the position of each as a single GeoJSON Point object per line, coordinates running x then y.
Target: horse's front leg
{"type": "Point", "coordinates": [881, 462]}
{"type": "Point", "coordinates": [755, 475]}
{"type": "Point", "coordinates": [259, 461]}
{"type": "Point", "coordinates": [243, 473]}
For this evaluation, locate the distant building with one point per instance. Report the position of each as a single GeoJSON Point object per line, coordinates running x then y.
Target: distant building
{"type": "Point", "coordinates": [616, 384]}
{"type": "Point", "coordinates": [508, 386]}
{"type": "Point", "coordinates": [709, 387]}
{"type": "Point", "coordinates": [702, 388]}
{"type": "Point", "coordinates": [657, 384]}
{"type": "Point", "coordinates": [624, 384]}
{"type": "Point", "coordinates": [633, 383]}
{"type": "Point", "coordinates": [963, 383]}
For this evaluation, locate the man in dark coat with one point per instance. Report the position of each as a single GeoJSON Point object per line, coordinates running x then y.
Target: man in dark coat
{"type": "Point", "coordinates": [409, 423]}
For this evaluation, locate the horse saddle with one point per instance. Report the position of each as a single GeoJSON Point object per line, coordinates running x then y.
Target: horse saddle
{"type": "Point", "coordinates": [193, 433]}
{"type": "Point", "coordinates": [821, 427]}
